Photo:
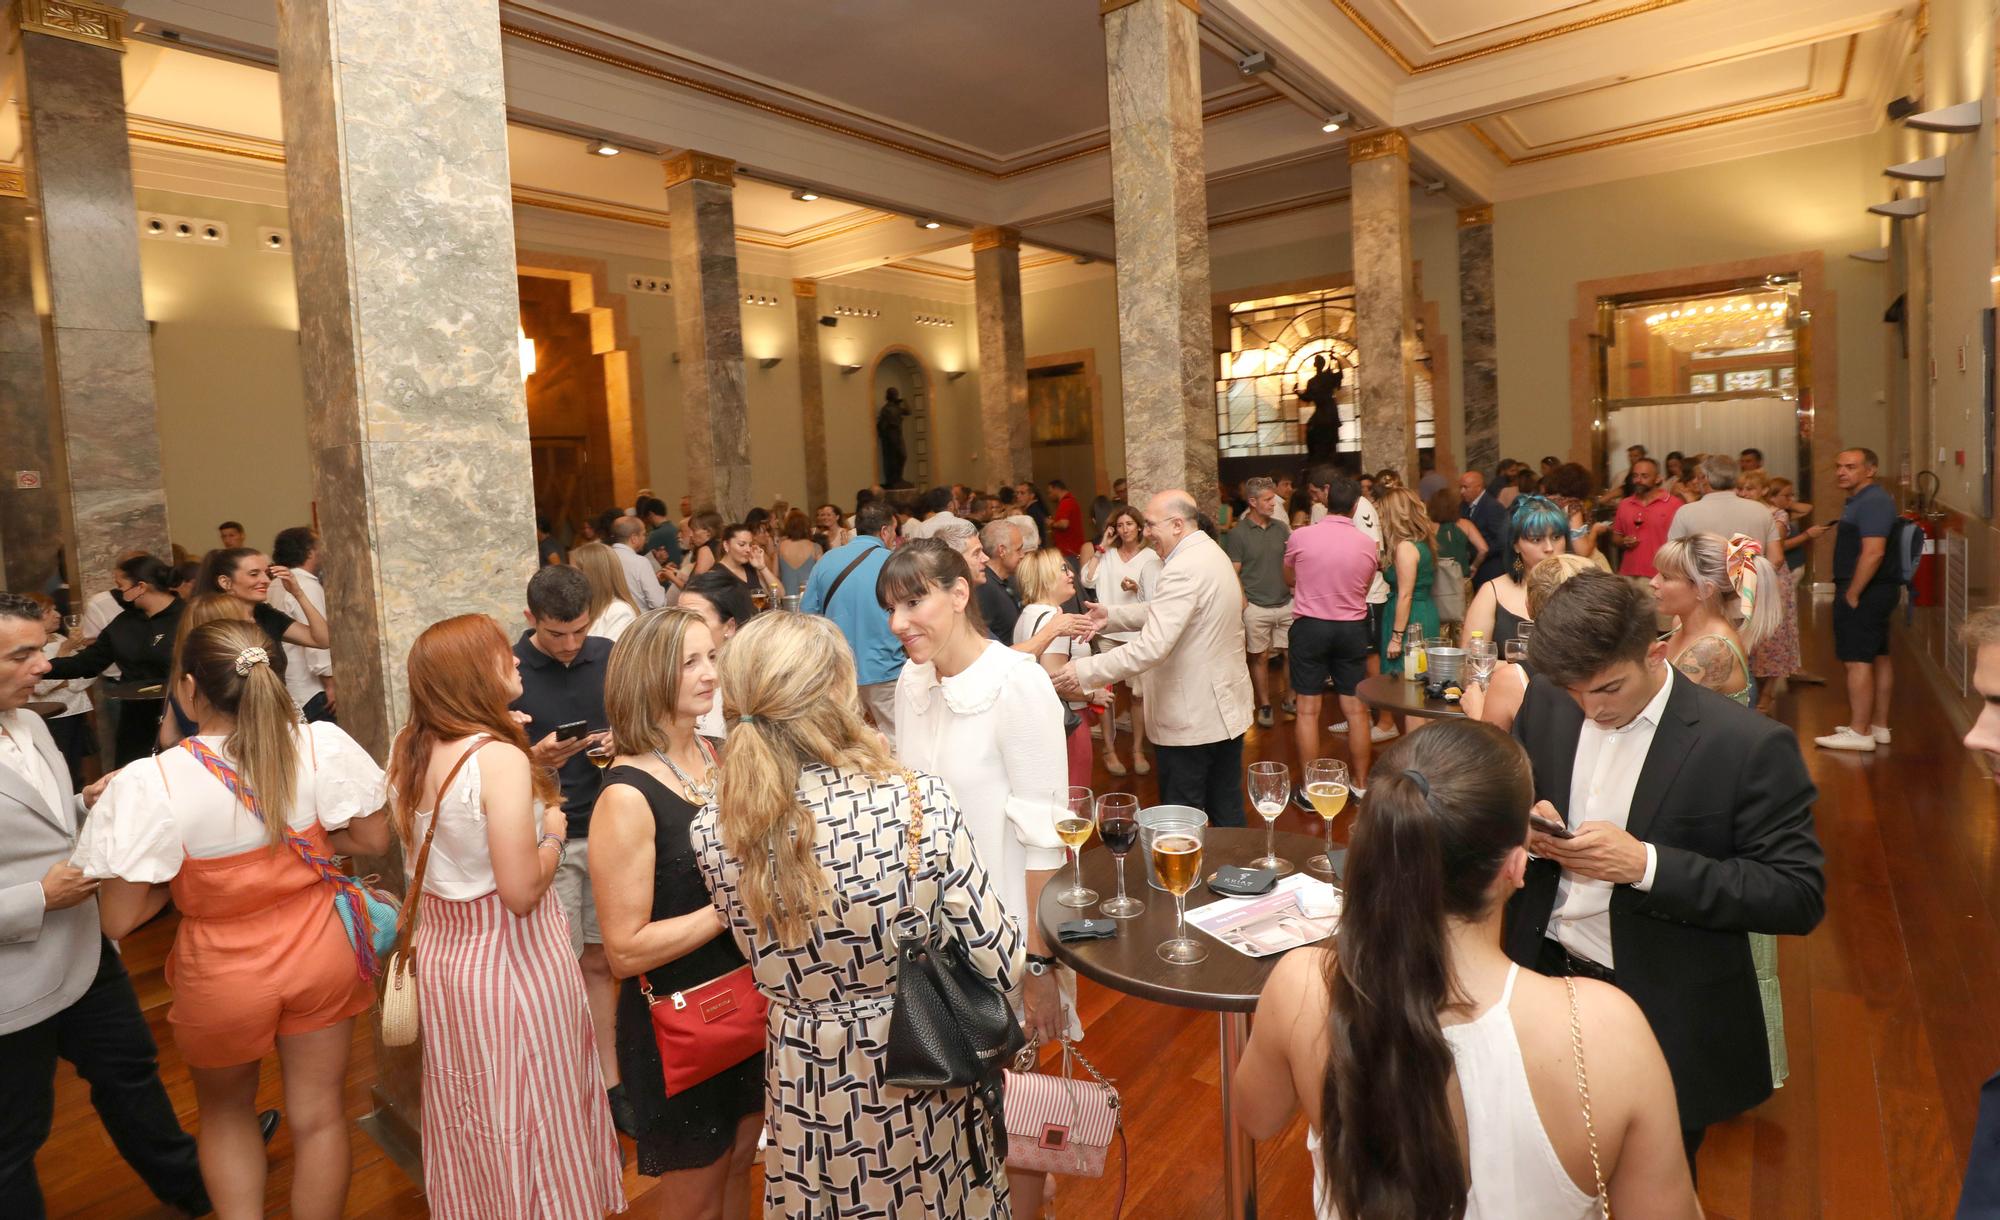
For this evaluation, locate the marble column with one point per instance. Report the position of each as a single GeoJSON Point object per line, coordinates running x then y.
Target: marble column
{"type": "Point", "coordinates": [708, 312]}
{"type": "Point", "coordinates": [812, 393]}
{"type": "Point", "coordinates": [1475, 324]}
{"type": "Point", "coordinates": [1384, 301]}
{"type": "Point", "coordinates": [1160, 206]}
{"type": "Point", "coordinates": [403, 248]}
{"type": "Point", "coordinates": [30, 516]}
{"type": "Point", "coordinates": [104, 446]}
{"type": "Point", "coordinates": [1003, 357]}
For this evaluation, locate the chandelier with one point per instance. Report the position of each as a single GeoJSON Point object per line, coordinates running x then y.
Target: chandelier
{"type": "Point", "coordinates": [1730, 323]}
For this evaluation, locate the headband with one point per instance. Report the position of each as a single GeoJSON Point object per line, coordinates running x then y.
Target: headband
{"type": "Point", "coordinates": [1741, 563]}
{"type": "Point", "coordinates": [1417, 777]}
{"type": "Point", "coordinates": [249, 657]}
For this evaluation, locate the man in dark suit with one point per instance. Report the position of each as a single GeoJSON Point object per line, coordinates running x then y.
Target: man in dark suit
{"type": "Point", "coordinates": [1692, 818]}
{"type": "Point", "coordinates": [1489, 516]}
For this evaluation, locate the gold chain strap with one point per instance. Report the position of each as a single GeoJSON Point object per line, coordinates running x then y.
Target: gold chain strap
{"type": "Point", "coordinates": [915, 837]}
{"type": "Point", "coordinates": [1583, 1091]}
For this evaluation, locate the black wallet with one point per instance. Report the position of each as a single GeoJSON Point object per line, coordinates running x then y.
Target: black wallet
{"type": "Point", "coordinates": [1071, 931]}
{"type": "Point", "coordinates": [1238, 882]}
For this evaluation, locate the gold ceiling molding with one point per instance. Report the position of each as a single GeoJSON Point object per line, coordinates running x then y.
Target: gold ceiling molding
{"type": "Point", "coordinates": [805, 290]}
{"type": "Point", "coordinates": [13, 182]}
{"type": "Point", "coordinates": [1755, 112]}
{"type": "Point", "coordinates": [966, 277]}
{"type": "Point", "coordinates": [1469, 218]}
{"type": "Point", "coordinates": [1304, 203]}
{"type": "Point", "coordinates": [203, 139]}
{"type": "Point", "coordinates": [95, 24]}
{"type": "Point", "coordinates": [1376, 145]}
{"type": "Point", "coordinates": [995, 237]}
{"type": "Point", "coordinates": [1413, 68]}
{"type": "Point", "coordinates": [692, 166]}
{"type": "Point", "coordinates": [528, 197]}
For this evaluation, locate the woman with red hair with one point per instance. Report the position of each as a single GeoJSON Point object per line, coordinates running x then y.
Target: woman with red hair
{"type": "Point", "coordinates": [516, 1122]}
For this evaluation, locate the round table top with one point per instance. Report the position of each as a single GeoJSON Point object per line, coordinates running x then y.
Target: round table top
{"type": "Point", "coordinates": [133, 690]}
{"type": "Point", "coordinates": [1391, 693]}
{"type": "Point", "coordinates": [46, 708]}
{"type": "Point", "coordinates": [1228, 981]}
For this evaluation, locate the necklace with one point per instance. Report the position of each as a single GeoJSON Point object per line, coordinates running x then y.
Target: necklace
{"type": "Point", "coordinates": [703, 793]}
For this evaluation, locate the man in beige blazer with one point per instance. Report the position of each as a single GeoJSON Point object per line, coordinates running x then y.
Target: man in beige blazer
{"type": "Point", "coordinates": [1190, 645]}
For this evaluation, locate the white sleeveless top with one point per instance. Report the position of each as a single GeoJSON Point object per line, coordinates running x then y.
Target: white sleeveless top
{"type": "Point", "coordinates": [461, 864]}
{"type": "Point", "coordinates": [1515, 1170]}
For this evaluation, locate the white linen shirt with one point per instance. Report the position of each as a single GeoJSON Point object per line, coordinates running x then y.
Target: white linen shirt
{"type": "Point", "coordinates": [994, 733]}
{"type": "Point", "coordinates": [306, 668]}
{"type": "Point", "coordinates": [640, 578]}
{"type": "Point", "coordinates": [1608, 762]}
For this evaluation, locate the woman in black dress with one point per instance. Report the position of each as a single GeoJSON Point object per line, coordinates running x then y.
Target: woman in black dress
{"type": "Point", "coordinates": [242, 572]}
{"type": "Point", "coordinates": [654, 912]}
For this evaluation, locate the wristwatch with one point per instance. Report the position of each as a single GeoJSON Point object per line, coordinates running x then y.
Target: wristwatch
{"type": "Point", "coordinates": [1038, 965]}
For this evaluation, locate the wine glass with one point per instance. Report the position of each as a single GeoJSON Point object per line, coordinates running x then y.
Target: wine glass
{"type": "Point", "coordinates": [1481, 656]}
{"type": "Point", "coordinates": [1174, 847]}
{"type": "Point", "coordinates": [1076, 817]}
{"type": "Point", "coordinates": [1118, 826]}
{"type": "Point", "coordinates": [601, 754]}
{"type": "Point", "coordinates": [1270, 791]}
{"type": "Point", "coordinates": [1326, 788]}
{"type": "Point", "coordinates": [1516, 651]}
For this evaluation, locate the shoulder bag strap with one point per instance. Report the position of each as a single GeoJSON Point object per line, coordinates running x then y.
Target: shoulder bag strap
{"type": "Point", "coordinates": [827, 601]}
{"type": "Point", "coordinates": [913, 857]}
{"type": "Point", "coordinates": [410, 902]}
{"type": "Point", "coordinates": [1583, 1092]}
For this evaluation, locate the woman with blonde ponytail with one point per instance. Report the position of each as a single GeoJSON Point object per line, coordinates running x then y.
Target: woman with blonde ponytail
{"type": "Point", "coordinates": [805, 854]}
{"type": "Point", "coordinates": [240, 825]}
{"type": "Point", "coordinates": [1439, 1078]}
{"type": "Point", "coordinates": [1725, 595]}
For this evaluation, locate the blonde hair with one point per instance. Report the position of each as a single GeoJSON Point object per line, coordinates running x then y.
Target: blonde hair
{"type": "Point", "coordinates": [789, 681]}
{"type": "Point", "coordinates": [1757, 483]}
{"type": "Point", "coordinates": [607, 579]}
{"type": "Point", "coordinates": [1404, 519]}
{"type": "Point", "coordinates": [1703, 561]}
{"type": "Point", "coordinates": [201, 610]}
{"type": "Point", "coordinates": [1040, 576]}
{"type": "Point", "coordinates": [1548, 576]}
{"type": "Point", "coordinates": [642, 686]}
{"type": "Point", "coordinates": [237, 681]}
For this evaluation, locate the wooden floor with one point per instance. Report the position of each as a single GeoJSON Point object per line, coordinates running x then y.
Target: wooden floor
{"type": "Point", "coordinates": [1892, 1018]}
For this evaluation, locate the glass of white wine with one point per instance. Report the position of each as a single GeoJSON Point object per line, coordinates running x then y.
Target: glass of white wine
{"type": "Point", "coordinates": [1326, 788]}
{"type": "Point", "coordinates": [1270, 792]}
{"type": "Point", "coordinates": [1174, 849]}
{"type": "Point", "coordinates": [1076, 817]}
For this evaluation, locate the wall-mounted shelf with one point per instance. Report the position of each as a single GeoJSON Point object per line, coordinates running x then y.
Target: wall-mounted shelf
{"type": "Point", "coordinates": [1878, 255]}
{"type": "Point", "coordinates": [1930, 169]}
{"type": "Point", "coordinates": [1899, 209]}
{"type": "Point", "coordinates": [1958, 119]}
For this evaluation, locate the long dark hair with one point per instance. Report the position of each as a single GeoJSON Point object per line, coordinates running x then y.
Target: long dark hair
{"type": "Point", "coordinates": [1446, 807]}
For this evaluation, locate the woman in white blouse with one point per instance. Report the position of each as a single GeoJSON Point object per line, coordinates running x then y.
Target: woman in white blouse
{"type": "Point", "coordinates": [239, 825]}
{"type": "Point", "coordinates": [1123, 571]}
{"type": "Point", "coordinates": [1046, 583]}
{"type": "Point", "coordinates": [611, 607]}
{"type": "Point", "coordinates": [986, 720]}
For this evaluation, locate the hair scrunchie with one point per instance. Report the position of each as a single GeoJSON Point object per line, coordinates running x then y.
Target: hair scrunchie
{"type": "Point", "coordinates": [1740, 562]}
{"type": "Point", "coordinates": [249, 657]}
{"type": "Point", "coordinates": [744, 719]}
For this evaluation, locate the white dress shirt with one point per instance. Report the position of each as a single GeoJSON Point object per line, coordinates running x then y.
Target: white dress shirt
{"type": "Point", "coordinates": [1608, 762]}
{"type": "Point", "coordinates": [306, 668]}
{"type": "Point", "coordinates": [98, 612]}
{"type": "Point", "coordinates": [1370, 523]}
{"type": "Point", "coordinates": [640, 579]}
{"type": "Point", "coordinates": [18, 752]}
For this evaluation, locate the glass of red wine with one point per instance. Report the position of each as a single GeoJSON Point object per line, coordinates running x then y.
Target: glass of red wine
{"type": "Point", "coordinates": [1118, 826]}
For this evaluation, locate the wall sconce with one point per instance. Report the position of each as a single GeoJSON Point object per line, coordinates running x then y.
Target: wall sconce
{"type": "Point", "coordinates": [527, 348]}
{"type": "Point", "coordinates": [954, 375]}
{"type": "Point", "coordinates": [768, 362]}
{"type": "Point", "coordinates": [845, 369]}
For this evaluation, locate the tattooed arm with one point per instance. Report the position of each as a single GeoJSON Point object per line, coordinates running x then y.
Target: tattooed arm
{"type": "Point", "coordinates": [1710, 662]}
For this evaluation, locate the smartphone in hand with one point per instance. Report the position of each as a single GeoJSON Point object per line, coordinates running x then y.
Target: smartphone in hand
{"type": "Point", "coordinates": [1550, 827]}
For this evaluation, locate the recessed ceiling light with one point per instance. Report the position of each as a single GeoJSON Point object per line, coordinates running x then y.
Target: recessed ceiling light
{"type": "Point", "coordinates": [1334, 121]}
{"type": "Point", "coordinates": [804, 196]}
{"type": "Point", "coordinates": [925, 222]}
{"type": "Point", "coordinates": [604, 148]}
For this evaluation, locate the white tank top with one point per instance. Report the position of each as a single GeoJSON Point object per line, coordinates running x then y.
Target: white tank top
{"type": "Point", "coordinates": [1515, 1170]}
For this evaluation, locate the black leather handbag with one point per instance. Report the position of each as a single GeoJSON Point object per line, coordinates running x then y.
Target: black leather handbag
{"type": "Point", "coordinates": [952, 1027]}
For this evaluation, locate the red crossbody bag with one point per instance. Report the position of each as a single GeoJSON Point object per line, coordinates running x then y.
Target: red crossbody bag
{"type": "Point", "coordinates": [705, 1030]}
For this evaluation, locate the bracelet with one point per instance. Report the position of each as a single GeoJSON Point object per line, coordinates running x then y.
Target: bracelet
{"type": "Point", "coordinates": [562, 846]}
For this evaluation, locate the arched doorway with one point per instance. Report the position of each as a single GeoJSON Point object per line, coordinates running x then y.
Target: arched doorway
{"type": "Point", "coordinates": [899, 368]}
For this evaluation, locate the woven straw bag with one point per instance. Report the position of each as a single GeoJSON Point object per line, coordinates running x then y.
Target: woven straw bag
{"type": "Point", "coordinates": [399, 1018]}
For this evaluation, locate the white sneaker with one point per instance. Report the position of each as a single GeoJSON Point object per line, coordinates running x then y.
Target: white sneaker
{"type": "Point", "coordinates": [1337, 728]}
{"type": "Point", "coordinates": [1845, 738]}
{"type": "Point", "coordinates": [1881, 733]}
{"type": "Point", "coordinates": [1378, 733]}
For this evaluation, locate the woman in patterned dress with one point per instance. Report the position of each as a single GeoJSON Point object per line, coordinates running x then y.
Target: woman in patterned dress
{"type": "Point", "coordinates": [803, 854]}
{"type": "Point", "coordinates": [1777, 657]}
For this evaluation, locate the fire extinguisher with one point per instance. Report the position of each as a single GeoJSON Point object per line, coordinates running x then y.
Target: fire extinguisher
{"type": "Point", "coordinates": [1924, 586]}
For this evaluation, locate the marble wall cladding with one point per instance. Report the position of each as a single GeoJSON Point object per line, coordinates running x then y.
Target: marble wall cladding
{"type": "Point", "coordinates": [1475, 326]}
{"type": "Point", "coordinates": [708, 313]}
{"type": "Point", "coordinates": [812, 392]}
{"type": "Point", "coordinates": [1385, 319]}
{"type": "Point", "coordinates": [1165, 339]}
{"type": "Point", "coordinates": [99, 367]}
{"type": "Point", "coordinates": [1003, 363]}
{"type": "Point", "coordinates": [30, 518]}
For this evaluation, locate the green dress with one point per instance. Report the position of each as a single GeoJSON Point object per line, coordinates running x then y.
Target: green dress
{"type": "Point", "coordinates": [1423, 611]}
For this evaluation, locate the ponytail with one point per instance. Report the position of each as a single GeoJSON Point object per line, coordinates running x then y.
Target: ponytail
{"type": "Point", "coordinates": [1447, 807]}
{"type": "Point", "coordinates": [239, 671]}
{"type": "Point", "coordinates": [1751, 600]}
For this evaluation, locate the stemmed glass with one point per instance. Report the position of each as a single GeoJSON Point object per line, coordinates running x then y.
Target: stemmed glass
{"type": "Point", "coordinates": [1517, 651]}
{"type": "Point", "coordinates": [1270, 791]}
{"type": "Point", "coordinates": [1118, 826]}
{"type": "Point", "coordinates": [1481, 656]}
{"type": "Point", "coordinates": [1174, 848]}
{"type": "Point", "coordinates": [1326, 788]}
{"type": "Point", "coordinates": [1076, 817]}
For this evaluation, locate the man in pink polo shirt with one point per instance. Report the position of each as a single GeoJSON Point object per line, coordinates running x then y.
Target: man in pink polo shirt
{"type": "Point", "coordinates": [1643, 517]}
{"type": "Point", "coordinates": [1330, 566]}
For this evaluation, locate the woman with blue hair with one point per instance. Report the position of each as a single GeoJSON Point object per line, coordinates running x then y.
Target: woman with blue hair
{"type": "Point", "coordinates": [1536, 529]}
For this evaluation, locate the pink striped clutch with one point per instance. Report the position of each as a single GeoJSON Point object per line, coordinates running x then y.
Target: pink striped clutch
{"type": "Point", "coordinates": [1061, 1123]}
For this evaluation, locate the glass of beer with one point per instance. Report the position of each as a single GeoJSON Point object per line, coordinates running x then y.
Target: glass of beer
{"type": "Point", "coordinates": [601, 754]}
{"type": "Point", "coordinates": [1326, 788]}
{"type": "Point", "coordinates": [1076, 817]}
{"type": "Point", "coordinates": [1270, 792]}
{"type": "Point", "coordinates": [1174, 849]}
{"type": "Point", "coordinates": [1118, 826]}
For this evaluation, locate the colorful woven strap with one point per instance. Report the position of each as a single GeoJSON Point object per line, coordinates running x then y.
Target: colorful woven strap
{"type": "Point", "coordinates": [350, 901]}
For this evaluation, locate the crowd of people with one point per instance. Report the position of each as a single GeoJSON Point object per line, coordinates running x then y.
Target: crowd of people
{"type": "Point", "coordinates": [720, 749]}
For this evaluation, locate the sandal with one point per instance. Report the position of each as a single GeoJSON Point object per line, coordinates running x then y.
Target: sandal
{"type": "Point", "coordinates": [1140, 765]}
{"type": "Point", "coordinates": [1114, 766]}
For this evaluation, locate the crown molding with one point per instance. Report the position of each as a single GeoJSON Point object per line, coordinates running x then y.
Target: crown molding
{"type": "Point", "coordinates": [74, 20]}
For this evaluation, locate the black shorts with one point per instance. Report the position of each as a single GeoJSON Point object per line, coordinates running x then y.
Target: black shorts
{"type": "Point", "coordinates": [1328, 652]}
{"type": "Point", "coordinates": [1861, 633]}
{"type": "Point", "coordinates": [1375, 625]}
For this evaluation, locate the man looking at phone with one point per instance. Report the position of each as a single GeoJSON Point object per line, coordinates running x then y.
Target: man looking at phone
{"type": "Point", "coordinates": [1692, 828]}
{"type": "Point", "coordinates": [562, 708]}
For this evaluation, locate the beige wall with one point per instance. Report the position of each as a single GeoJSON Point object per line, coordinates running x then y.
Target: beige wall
{"type": "Point", "coordinates": [1812, 198]}
{"type": "Point", "coordinates": [1084, 317]}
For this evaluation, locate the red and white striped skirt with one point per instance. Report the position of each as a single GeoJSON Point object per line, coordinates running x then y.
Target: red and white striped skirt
{"type": "Point", "coordinates": [515, 1119]}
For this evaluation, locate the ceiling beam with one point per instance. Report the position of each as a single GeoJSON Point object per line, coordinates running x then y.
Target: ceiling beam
{"type": "Point", "coordinates": [873, 246]}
